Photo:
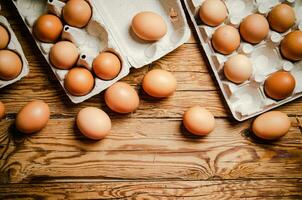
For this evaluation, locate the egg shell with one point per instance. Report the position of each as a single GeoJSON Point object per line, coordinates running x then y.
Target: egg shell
{"type": "Point", "coordinates": [213, 12]}
{"type": "Point", "coordinates": [121, 98]}
{"type": "Point", "coordinates": [199, 121]}
{"type": "Point", "coordinates": [159, 83]}
{"type": "Point", "coordinates": [2, 110]}
{"type": "Point", "coordinates": [48, 28]}
{"type": "Point", "coordinates": [238, 68]}
{"type": "Point", "coordinates": [279, 85]}
{"type": "Point", "coordinates": [226, 39]}
{"type": "Point", "coordinates": [77, 13]}
{"type": "Point", "coordinates": [291, 46]}
{"type": "Point", "coordinates": [106, 66]}
{"type": "Point", "coordinates": [63, 55]}
{"type": "Point", "coordinates": [79, 81]}
{"type": "Point", "coordinates": [149, 26]}
{"type": "Point", "coordinates": [271, 125]}
{"type": "Point", "coordinates": [33, 117]}
{"type": "Point", "coordinates": [93, 123]}
{"type": "Point", "coordinates": [281, 18]}
{"type": "Point", "coordinates": [4, 37]}
{"type": "Point", "coordinates": [10, 65]}
{"type": "Point", "coordinates": [254, 28]}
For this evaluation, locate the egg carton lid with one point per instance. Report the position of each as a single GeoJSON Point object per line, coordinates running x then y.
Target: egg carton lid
{"type": "Point", "coordinates": [14, 45]}
{"type": "Point", "coordinates": [118, 15]}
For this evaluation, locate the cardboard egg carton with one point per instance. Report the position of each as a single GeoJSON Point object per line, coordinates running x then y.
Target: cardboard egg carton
{"type": "Point", "coordinates": [248, 99]}
{"type": "Point", "coordinates": [15, 46]}
{"type": "Point", "coordinates": [108, 30]}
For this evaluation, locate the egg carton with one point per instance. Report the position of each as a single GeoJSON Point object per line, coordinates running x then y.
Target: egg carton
{"type": "Point", "coordinates": [15, 46]}
{"type": "Point", "coordinates": [108, 30]}
{"type": "Point", "coordinates": [248, 99]}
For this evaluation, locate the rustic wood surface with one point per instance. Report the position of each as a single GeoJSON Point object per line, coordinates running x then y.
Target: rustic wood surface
{"type": "Point", "coordinates": [149, 154]}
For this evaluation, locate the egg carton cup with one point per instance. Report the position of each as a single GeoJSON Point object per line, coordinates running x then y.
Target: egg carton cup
{"type": "Point", "coordinates": [15, 46]}
{"type": "Point", "coordinates": [248, 99]}
{"type": "Point", "coordinates": [109, 30]}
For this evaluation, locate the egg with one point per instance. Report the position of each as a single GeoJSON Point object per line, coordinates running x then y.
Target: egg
{"type": "Point", "coordinates": [291, 46]}
{"type": "Point", "coordinates": [33, 117]}
{"type": "Point", "coordinates": [121, 98]}
{"type": "Point", "coordinates": [281, 18]}
{"type": "Point", "coordinates": [93, 123]}
{"type": "Point", "coordinates": [271, 125]}
{"type": "Point", "coordinates": [213, 12]}
{"type": "Point", "coordinates": [79, 81]}
{"type": "Point", "coordinates": [106, 66]}
{"type": "Point", "coordinates": [254, 28]}
{"type": "Point", "coordinates": [63, 55]}
{"type": "Point", "coordinates": [149, 26]}
{"type": "Point", "coordinates": [199, 121]}
{"type": "Point", "coordinates": [238, 68]}
{"type": "Point", "coordinates": [2, 110]}
{"type": "Point", "coordinates": [77, 13]}
{"type": "Point", "coordinates": [226, 39]}
{"type": "Point", "coordinates": [279, 85]}
{"type": "Point", "coordinates": [10, 65]}
{"type": "Point", "coordinates": [4, 37]}
{"type": "Point", "coordinates": [159, 83]}
{"type": "Point", "coordinates": [48, 28]}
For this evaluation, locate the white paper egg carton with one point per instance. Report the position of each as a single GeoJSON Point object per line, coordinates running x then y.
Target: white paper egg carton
{"type": "Point", "coordinates": [108, 29]}
{"type": "Point", "coordinates": [248, 99]}
{"type": "Point", "coordinates": [15, 46]}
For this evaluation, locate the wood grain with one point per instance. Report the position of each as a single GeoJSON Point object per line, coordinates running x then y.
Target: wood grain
{"type": "Point", "coordinates": [149, 154]}
{"type": "Point", "coordinates": [165, 152]}
{"type": "Point", "coordinates": [193, 190]}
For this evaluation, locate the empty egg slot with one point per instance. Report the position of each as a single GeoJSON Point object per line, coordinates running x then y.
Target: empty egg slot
{"type": "Point", "coordinates": [247, 100]}
{"type": "Point", "coordinates": [265, 60]}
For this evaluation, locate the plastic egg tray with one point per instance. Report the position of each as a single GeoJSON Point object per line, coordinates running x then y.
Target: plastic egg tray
{"type": "Point", "coordinates": [15, 46]}
{"type": "Point", "coordinates": [248, 99]}
{"type": "Point", "coordinates": [108, 30]}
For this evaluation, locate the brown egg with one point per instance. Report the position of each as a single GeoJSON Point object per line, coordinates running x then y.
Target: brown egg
{"type": "Point", "coordinates": [159, 83]}
{"type": "Point", "coordinates": [279, 85]}
{"type": "Point", "coordinates": [254, 28]}
{"type": "Point", "coordinates": [149, 26]}
{"type": "Point", "coordinates": [10, 65]}
{"type": "Point", "coordinates": [291, 46]}
{"type": "Point", "coordinates": [4, 37]}
{"type": "Point", "coordinates": [77, 13]}
{"type": "Point", "coordinates": [33, 117]}
{"type": "Point", "coordinates": [226, 39]}
{"type": "Point", "coordinates": [213, 12]}
{"type": "Point", "coordinates": [238, 68]}
{"type": "Point", "coordinates": [63, 55]}
{"type": "Point", "coordinates": [199, 121]}
{"type": "Point", "coordinates": [106, 66]}
{"type": "Point", "coordinates": [271, 125]}
{"type": "Point", "coordinates": [281, 18]}
{"type": "Point", "coordinates": [48, 28]}
{"type": "Point", "coordinates": [93, 123]}
{"type": "Point", "coordinates": [79, 81]}
{"type": "Point", "coordinates": [121, 98]}
{"type": "Point", "coordinates": [2, 110]}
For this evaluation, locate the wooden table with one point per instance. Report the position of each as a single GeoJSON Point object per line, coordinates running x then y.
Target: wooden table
{"type": "Point", "coordinates": [149, 154]}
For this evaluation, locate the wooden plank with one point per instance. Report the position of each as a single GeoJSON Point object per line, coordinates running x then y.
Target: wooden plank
{"type": "Point", "coordinates": [234, 189]}
{"type": "Point", "coordinates": [174, 106]}
{"type": "Point", "coordinates": [146, 149]}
